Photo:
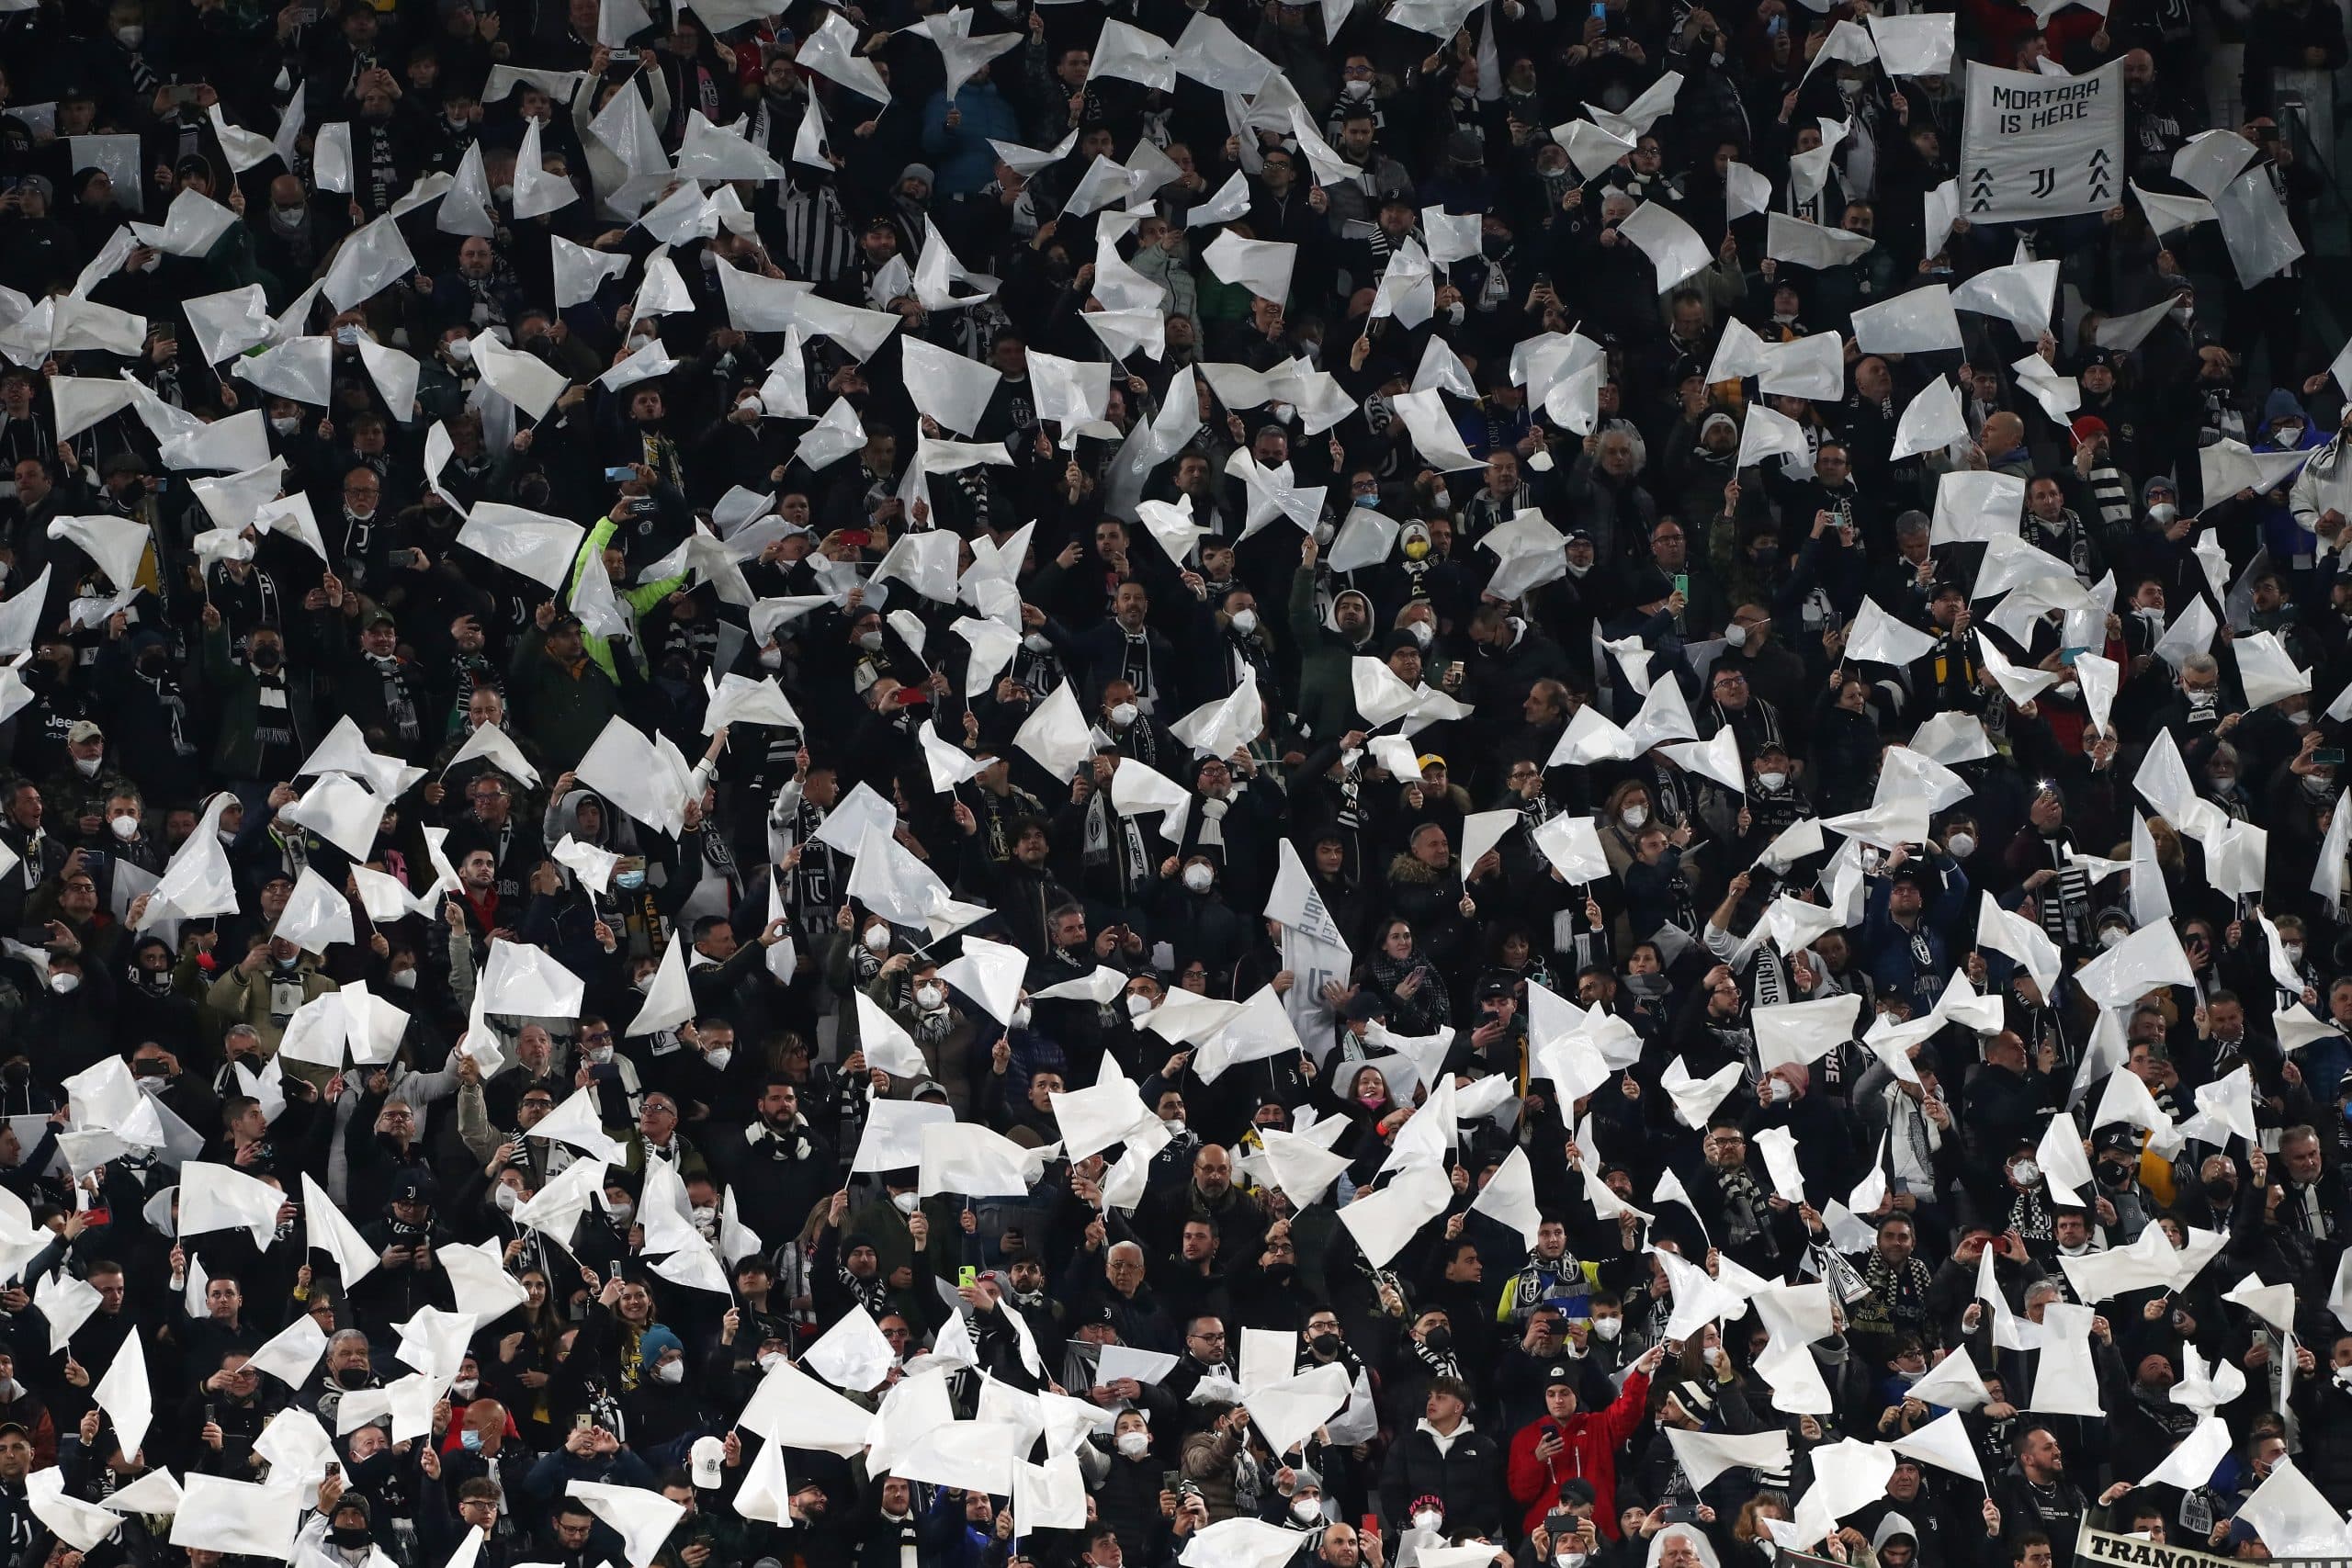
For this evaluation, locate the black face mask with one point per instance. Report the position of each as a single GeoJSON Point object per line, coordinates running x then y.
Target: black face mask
{"type": "Point", "coordinates": [1328, 1344]}
{"type": "Point", "coordinates": [352, 1377]}
{"type": "Point", "coordinates": [2114, 1174]}
{"type": "Point", "coordinates": [351, 1539]}
{"type": "Point", "coordinates": [267, 657]}
{"type": "Point", "coordinates": [1438, 1340]}
{"type": "Point", "coordinates": [2220, 1192]}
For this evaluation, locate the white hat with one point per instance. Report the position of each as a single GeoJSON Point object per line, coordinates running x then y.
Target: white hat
{"type": "Point", "coordinates": [707, 1456]}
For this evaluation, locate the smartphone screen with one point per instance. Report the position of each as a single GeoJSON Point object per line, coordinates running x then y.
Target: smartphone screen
{"type": "Point", "coordinates": [620, 473]}
{"type": "Point", "coordinates": [2331, 755]}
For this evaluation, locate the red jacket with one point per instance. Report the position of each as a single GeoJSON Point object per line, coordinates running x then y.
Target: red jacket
{"type": "Point", "coordinates": [1592, 1440]}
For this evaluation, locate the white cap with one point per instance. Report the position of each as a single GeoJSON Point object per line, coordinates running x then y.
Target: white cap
{"type": "Point", "coordinates": [707, 1456]}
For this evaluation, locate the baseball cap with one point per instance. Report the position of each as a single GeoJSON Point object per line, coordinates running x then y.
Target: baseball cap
{"type": "Point", "coordinates": [706, 1456]}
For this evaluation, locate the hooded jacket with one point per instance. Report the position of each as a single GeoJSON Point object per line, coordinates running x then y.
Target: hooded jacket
{"type": "Point", "coordinates": [1327, 707]}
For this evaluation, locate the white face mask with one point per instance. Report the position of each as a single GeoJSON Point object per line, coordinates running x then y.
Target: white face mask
{"type": "Point", "coordinates": [1960, 846]}
{"type": "Point", "coordinates": [1771, 781]}
{"type": "Point", "coordinates": [1634, 815]}
{"type": "Point", "coordinates": [1779, 1092]}
{"type": "Point", "coordinates": [88, 766]}
{"type": "Point", "coordinates": [1306, 1510]}
{"type": "Point", "coordinates": [930, 998]}
{"type": "Point", "coordinates": [770, 1360]}
{"type": "Point", "coordinates": [1356, 89]}
{"type": "Point", "coordinates": [1021, 1015]}
{"type": "Point", "coordinates": [461, 351]}
{"type": "Point", "coordinates": [64, 985]}
{"type": "Point", "coordinates": [286, 425]}
{"type": "Point", "coordinates": [2292, 952]}
{"type": "Point", "coordinates": [870, 642]}
{"type": "Point", "coordinates": [1712, 1355]}
{"type": "Point", "coordinates": [877, 939]}
{"type": "Point", "coordinates": [505, 1198]}
{"type": "Point", "coordinates": [671, 1372]}
{"type": "Point", "coordinates": [404, 979]}
{"type": "Point", "coordinates": [1422, 632]}
{"type": "Point", "coordinates": [1608, 1328]}
{"type": "Point", "coordinates": [1124, 714]}
{"type": "Point", "coordinates": [719, 1057]}
{"type": "Point", "coordinates": [1134, 1444]}
{"type": "Point", "coordinates": [1138, 1005]}
{"type": "Point", "coordinates": [1198, 877]}
{"type": "Point", "coordinates": [124, 828]}
{"type": "Point", "coordinates": [600, 1054]}
{"type": "Point", "coordinates": [1444, 502]}
{"type": "Point", "coordinates": [2299, 717]}
{"type": "Point", "coordinates": [1036, 642]}
{"type": "Point", "coordinates": [905, 1202]}
{"type": "Point", "coordinates": [1245, 621]}
{"type": "Point", "coordinates": [1428, 1520]}
{"type": "Point", "coordinates": [2112, 936]}
{"type": "Point", "coordinates": [2026, 1173]}
{"type": "Point", "coordinates": [1736, 635]}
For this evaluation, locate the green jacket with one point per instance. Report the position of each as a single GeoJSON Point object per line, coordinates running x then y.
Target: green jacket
{"type": "Point", "coordinates": [565, 710]}
{"type": "Point", "coordinates": [236, 754]}
{"type": "Point", "coordinates": [1326, 699]}
{"type": "Point", "coordinates": [638, 599]}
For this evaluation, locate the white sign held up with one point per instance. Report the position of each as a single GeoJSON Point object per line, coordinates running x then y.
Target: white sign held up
{"type": "Point", "coordinates": [2037, 146]}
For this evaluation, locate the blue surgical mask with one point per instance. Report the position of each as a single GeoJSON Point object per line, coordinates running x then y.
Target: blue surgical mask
{"type": "Point", "coordinates": [632, 880]}
{"type": "Point", "coordinates": [471, 1438]}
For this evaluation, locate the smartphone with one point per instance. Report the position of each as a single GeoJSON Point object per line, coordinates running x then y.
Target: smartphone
{"type": "Point", "coordinates": [580, 1423]}
{"type": "Point", "coordinates": [606, 1072]}
{"type": "Point", "coordinates": [1600, 11]}
{"type": "Point", "coordinates": [857, 538]}
{"type": "Point", "coordinates": [1776, 26]}
{"type": "Point", "coordinates": [211, 1413]}
{"type": "Point", "coordinates": [183, 93]}
{"type": "Point", "coordinates": [1681, 1513]}
{"type": "Point", "coordinates": [1369, 1525]}
{"type": "Point", "coordinates": [334, 1470]}
{"type": "Point", "coordinates": [1682, 583]}
{"type": "Point", "coordinates": [97, 1216]}
{"type": "Point", "coordinates": [1170, 1480]}
{"type": "Point", "coordinates": [2333, 756]}
{"type": "Point", "coordinates": [620, 473]}
{"type": "Point", "coordinates": [966, 1277]}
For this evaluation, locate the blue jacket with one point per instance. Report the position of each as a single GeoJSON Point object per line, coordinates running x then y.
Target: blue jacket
{"type": "Point", "coordinates": [1895, 955]}
{"type": "Point", "coordinates": [961, 156]}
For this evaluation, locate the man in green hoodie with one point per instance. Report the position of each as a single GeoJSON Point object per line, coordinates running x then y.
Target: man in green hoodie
{"type": "Point", "coordinates": [1329, 645]}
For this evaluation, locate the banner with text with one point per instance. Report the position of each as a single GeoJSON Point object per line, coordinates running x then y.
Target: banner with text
{"type": "Point", "coordinates": [2036, 146]}
{"type": "Point", "coordinates": [2137, 1552]}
